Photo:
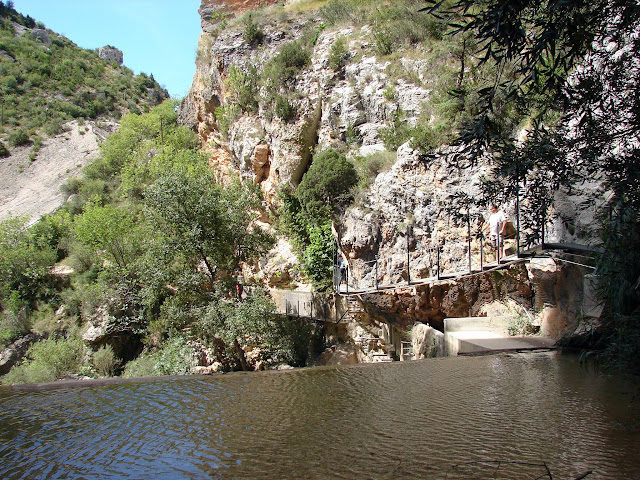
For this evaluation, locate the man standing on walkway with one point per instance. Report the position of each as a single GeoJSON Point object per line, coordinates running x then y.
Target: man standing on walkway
{"type": "Point", "coordinates": [497, 224]}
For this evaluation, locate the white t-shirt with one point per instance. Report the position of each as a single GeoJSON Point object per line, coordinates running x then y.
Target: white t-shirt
{"type": "Point", "coordinates": [495, 222]}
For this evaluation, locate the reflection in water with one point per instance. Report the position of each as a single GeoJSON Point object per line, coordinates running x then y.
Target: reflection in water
{"type": "Point", "coordinates": [413, 419]}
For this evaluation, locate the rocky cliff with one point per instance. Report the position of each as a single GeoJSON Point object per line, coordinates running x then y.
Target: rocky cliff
{"type": "Point", "coordinates": [352, 96]}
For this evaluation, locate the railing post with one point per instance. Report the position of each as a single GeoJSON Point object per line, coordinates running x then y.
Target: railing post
{"type": "Point", "coordinates": [481, 254]}
{"type": "Point", "coordinates": [518, 218]}
{"type": "Point", "coordinates": [469, 240]}
{"type": "Point", "coordinates": [438, 261]}
{"type": "Point", "coordinates": [346, 276]}
{"type": "Point", "coordinates": [542, 221]}
{"type": "Point", "coordinates": [376, 278]}
{"type": "Point", "coordinates": [498, 239]}
{"type": "Point", "coordinates": [408, 259]}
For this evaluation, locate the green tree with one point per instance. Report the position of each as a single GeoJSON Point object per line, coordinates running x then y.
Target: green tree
{"type": "Point", "coordinates": [24, 264]}
{"type": "Point", "coordinates": [205, 222]}
{"type": "Point", "coordinates": [319, 256]}
{"type": "Point", "coordinates": [110, 228]}
{"type": "Point", "coordinates": [326, 186]}
{"type": "Point", "coordinates": [252, 323]}
{"type": "Point", "coordinates": [305, 216]}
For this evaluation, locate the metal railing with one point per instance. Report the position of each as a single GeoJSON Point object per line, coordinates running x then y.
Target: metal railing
{"type": "Point", "coordinates": [426, 260]}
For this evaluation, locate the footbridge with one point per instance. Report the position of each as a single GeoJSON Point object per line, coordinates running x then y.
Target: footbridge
{"type": "Point", "coordinates": [423, 263]}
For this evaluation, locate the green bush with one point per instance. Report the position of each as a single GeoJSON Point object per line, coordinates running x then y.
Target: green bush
{"type": "Point", "coordinates": [338, 54]}
{"type": "Point", "coordinates": [24, 264]}
{"type": "Point", "coordinates": [252, 33]}
{"type": "Point", "coordinates": [47, 361]}
{"type": "Point", "coordinates": [18, 138]}
{"type": "Point", "coordinates": [175, 357]}
{"type": "Point", "coordinates": [318, 257]}
{"type": "Point", "coordinates": [400, 24]}
{"type": "Point", "coordinates": [14, 320]}
{"type": "Point", "coordinates": [225, 116]}
{"type": "Point", "coordinates": [370, 166]}
{"type": "Point", "coordinates": [306, 215]}
{"type": "Point", "coordinates": [292, 58]}
{"type": "Point", "coordinates": [105, 361]}
{"type": "Point", "coordinates": [326, 186]}
{"type": "Point", "coordinates": [242, 88]}
{"type": "Point", "coordinates": [53, 128]}
{"type": "Point", "coordinates": [143, 366]}
{"type": "Point", "coordinates": [284, 109]}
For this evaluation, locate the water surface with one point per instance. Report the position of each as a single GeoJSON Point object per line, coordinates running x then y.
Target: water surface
{"type": "Point", "coordinates": [438, 418]}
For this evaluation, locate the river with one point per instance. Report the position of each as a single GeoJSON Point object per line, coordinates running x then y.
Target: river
{"type": "Point", "coordinates": [534, 415]}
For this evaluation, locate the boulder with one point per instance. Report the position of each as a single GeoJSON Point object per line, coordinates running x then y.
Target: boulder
{"type": "Point", "coordinates": [426, 341]}
{"type": "Point", "coordinates": [15, 352]}
{"type": "Point", "coordinates": [111, 54]}
{"type": "Point", "coordinates": [343, 354]}
{"type": "Point", "coordinates": [42, 35]}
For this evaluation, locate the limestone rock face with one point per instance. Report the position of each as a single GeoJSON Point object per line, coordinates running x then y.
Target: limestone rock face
{"type": "Point", "coordinates": [464, 298]}
{"type": "Point", "coordinates": [391, 232]}
{"type": "Point", "coordinates": [426, 341]}
{"type": "Point", "coordinates": [111, 54]}
{"type": "Point", "coordinates": [330, 105]}
{"type": "Point", "coordinates": [404, 217]}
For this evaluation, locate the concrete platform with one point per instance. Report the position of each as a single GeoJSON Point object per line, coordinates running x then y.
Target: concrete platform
{"type": "Point", "coordinates": [473, 335]}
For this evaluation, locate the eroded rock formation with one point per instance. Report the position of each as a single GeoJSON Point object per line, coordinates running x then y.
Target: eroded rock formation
{"type": "Point", "coordinates": [391, 231]}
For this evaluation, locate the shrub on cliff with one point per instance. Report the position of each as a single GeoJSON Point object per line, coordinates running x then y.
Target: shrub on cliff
{"type": "Point", "coordinates": [19, 138]}
{"type": "Point", "coordinates": [252, 33]}
{"type": "Point", "coordinates": [326, 186]}
{"type": "Point", "coordinates": [292, 58]}
{"type": "Point", "coordinates": [305, 216]}
{"type": "Point", "coordinates": [338, 54]}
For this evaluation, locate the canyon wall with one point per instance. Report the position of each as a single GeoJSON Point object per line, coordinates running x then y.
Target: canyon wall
{"type": "Point", "coordinates": [390, 231]}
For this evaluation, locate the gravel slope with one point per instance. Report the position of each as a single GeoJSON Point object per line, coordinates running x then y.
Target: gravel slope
{"type": "Point", "coordinates": [33, 188]}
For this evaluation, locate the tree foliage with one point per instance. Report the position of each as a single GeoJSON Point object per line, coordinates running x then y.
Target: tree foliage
{"type": "Point", "coordinates": [24, 263]}
{"type": "Point", "coordinates": [206, 222]}
{"type": "Point", "coordinates": [306, 215]}
{"type": "Point", "coordinates": [326, 186]}
{"type": "Point", "coordinates": [252, 323]}
{"type": "Point", "coordinates": [110, 228]}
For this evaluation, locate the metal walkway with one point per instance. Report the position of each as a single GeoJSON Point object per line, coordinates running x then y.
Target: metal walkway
{"type": "Point", "coordinates": [351, 287]}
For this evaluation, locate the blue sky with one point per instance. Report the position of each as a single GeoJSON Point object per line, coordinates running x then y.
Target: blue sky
{"type": "Point", "coordinates": [158, 37]}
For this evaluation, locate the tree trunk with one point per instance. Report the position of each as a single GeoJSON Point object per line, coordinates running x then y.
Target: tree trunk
{"type": "Point", "coordinates": [240, 354]}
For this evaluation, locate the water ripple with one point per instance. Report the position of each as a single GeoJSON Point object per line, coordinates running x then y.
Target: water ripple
{"type": "Point", "coordinates": [401, 420]}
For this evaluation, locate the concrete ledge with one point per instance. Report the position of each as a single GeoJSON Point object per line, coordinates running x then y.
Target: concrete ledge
{"type": "Point", "coordinates": [498, 325]}
{"type": "Point", "coordinates": [472, 335]}
{"type": "Point", "coordinates": [460, 343]}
